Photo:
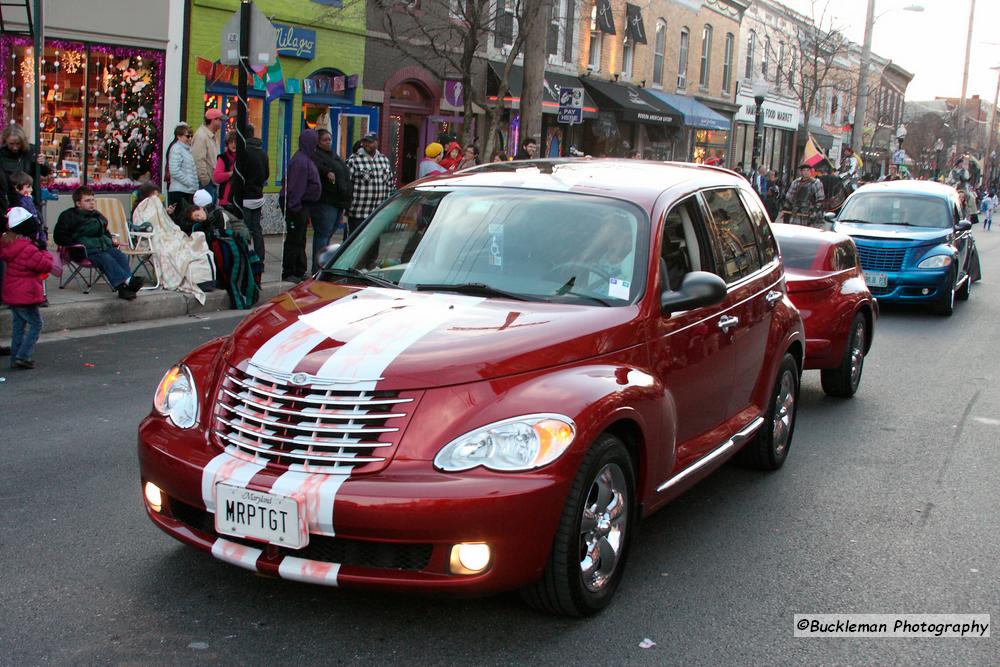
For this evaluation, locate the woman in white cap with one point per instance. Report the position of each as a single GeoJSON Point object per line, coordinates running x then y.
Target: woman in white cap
{"type": "Point", "coordinates": [22, 285]}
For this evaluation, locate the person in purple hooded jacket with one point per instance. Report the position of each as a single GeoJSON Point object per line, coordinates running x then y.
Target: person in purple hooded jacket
{"type": "Point", "coordinates": [301, 188]}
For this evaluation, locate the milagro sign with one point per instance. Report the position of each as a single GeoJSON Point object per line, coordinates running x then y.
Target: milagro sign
{"type": "Point", "coordinates": [776, 113]}
{"type": "Point", "coordinates": [295, 42]}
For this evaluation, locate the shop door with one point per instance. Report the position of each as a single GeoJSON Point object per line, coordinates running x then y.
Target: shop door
{"type": "Point", "coordinates": [411, 148]}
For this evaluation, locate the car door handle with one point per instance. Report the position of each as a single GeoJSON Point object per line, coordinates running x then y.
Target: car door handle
{"type": "Point", "coordinates": [727, 322]}
{"type": "Point", "coordinates": [773, 297]}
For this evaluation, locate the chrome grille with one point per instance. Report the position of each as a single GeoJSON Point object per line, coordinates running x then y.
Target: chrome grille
{"type": "Point", "coordinates": [320, 427]}
{"type": "Point", "coordinates": [881, 259]}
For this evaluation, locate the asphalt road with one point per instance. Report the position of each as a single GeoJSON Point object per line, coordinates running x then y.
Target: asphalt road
{"type": "Point", "coordinates": [887, 504]}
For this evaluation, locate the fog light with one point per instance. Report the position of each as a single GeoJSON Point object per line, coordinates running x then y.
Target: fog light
{"type": "Point", "coordinates": [154, 496]}
{"type": "Point", "coordinates": [925, 291]}
{"type": "Point", "coordinates": [470, 558]}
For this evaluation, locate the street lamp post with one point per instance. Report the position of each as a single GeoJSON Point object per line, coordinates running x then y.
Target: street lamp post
{"type": "Point", "coordinates": [760, 88]}
{"type": "Point", "coordinates": [861, 99]}
{"type": "Point", "coordinates": [965, 79]}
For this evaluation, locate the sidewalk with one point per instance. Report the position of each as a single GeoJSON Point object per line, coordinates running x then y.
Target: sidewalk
{"type": "Point", "coordinates": [69, 308]}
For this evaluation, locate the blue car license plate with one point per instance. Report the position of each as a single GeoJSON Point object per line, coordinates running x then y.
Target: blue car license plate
{"type": "Point", "coordinates": [876, 279]}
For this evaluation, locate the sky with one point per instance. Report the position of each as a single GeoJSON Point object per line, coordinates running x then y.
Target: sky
{"type": "Point", "coordinates": [930, 44]}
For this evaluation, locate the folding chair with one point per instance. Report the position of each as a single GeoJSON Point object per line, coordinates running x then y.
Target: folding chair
{"type": "Point", "coordinates": [134, 245]}
{"type": "Point", "coordinates": [79, 269]}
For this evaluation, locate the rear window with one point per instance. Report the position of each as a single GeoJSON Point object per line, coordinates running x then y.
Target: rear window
{"type": "Point", "coordinates": [845, 256]}
{"type": "Point", "coordinates": [890, 208]}
{"type": "Point", "coordinates": [797, 253]}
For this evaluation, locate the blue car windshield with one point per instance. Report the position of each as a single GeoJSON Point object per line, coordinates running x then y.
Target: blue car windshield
{"type": "Point", "coordinates": [890, 208]}
{"type": "Point", "coordinates": [558, 247]}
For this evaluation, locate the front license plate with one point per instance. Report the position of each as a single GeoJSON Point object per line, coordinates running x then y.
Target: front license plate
{"type": "Point", "coordinates": [258, 515]}
{"type": "Point", "coordinates": [876, 279]}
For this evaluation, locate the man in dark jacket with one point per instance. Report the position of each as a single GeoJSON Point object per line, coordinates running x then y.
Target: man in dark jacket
{"type": "Point", "coordinates": [300, 189]}
{"type": "Point", "coordinates": [84, 225]}
{"type": "Point", "coordinates": [251, 198]}
{"type": "Point", "coordinates": [336, 197]}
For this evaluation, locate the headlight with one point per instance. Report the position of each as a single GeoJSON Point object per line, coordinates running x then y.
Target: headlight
{"type": "Point", "coordinates": [520, 443]}
{"type": "Point", "coordinates": [935, 262]}
{"type": "Point", "coordinates": [177, 398]}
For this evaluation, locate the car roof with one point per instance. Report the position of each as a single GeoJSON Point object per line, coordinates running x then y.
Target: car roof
{"type": "Point", "coordinates": [911, 187]}
{"type": "Point", "coordinates": [639, 181]}
{"type": "Point", "coordinates": [800, 232]}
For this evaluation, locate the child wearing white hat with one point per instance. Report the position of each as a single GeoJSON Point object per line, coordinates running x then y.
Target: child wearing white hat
{"type": "Point", "coordinates": [22, 285]}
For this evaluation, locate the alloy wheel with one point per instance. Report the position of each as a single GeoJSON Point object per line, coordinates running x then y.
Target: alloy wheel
{"type": "Point", "coordinates": [857, 354]}
{"type": "Point", "coordinates": [602, 527]}
{"type": "Point", "coordinates": [784, 412]}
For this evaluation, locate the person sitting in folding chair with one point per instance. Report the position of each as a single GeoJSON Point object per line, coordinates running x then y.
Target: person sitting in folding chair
{"type": "Point", "coordinates": [84, 231]}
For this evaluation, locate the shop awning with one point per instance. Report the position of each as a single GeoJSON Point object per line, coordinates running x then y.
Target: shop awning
{"type": "Point", "coordinates": [550, 91]}
{"type": "Point", "coordinates": [694, 112]}
{"type": "Point", "coordinates": [632, 102]}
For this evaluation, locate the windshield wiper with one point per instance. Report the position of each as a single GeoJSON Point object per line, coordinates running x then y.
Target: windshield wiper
{"type": "Point", "coordinates": [855, 220]}
{"type": "Point", "coordinates": [870, 222]}
{"type": "Point", "coordinates": [481, 289]}
{"type": "Point", "coordinates": [360, 275]}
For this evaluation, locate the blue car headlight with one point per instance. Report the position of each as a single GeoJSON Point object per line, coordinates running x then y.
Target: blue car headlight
{"type": "Point", "coordinates": [935, 262]}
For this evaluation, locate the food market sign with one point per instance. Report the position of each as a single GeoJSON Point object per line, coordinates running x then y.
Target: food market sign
{"type": "Point", "coordinates": [777, 113]}
{"type": "Point", "coordinates": [295, 42]}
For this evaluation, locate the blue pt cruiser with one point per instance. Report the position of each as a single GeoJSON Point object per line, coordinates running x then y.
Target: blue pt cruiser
{"type": "Point", "coordinates": [913, 244]}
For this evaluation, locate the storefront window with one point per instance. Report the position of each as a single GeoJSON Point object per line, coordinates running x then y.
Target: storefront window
{"type": "Point", "coordinates": [709, 144]}
{"type": "Point", "coordinates": [100, 120]}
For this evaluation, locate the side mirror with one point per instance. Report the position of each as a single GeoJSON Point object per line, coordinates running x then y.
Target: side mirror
{"type": "Point", "coordinates": [328, 253]}
{"type": "Point", "coordinates": [699, 288]}
{"type": "Point", "coordinates": [963, 226]}
{"type": "Point", "coordinates": [830, 216]}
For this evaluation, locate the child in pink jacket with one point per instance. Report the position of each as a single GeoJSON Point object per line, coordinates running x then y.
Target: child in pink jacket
{"type": "Point", "coordinates": [22, 284]}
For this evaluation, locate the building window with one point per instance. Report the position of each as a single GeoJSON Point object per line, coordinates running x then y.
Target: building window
{"type": "Point", "coordinates": [727, 65]}
{"type": "Point", "coordinates": [834, 108]}
{"type": "Point", "coordinates": [456, 10]}
{"type": "Point", "coordinates": [503, 28]}
{"type": "Point", "coordinates": [594, 57]}
{"type": "Point", "coordinates": [552, 38]}
{"type": "Point", "coordinates": [751, 47]}
{"type": "Point", "coordinates": [659, 51]}
{"type": "Point", "coordinates": [765, 58]}
{"type": "Point", "coordinates": [628, 55]}
{"type": "Point", "coordinates": [781, 64]}
{"type": "Point", "coordinates": [706, 57]}
{"type": "Point", "coordinates": [682, 61]}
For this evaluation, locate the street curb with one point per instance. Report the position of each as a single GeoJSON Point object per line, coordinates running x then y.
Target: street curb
{"type": "Point", "coordinates": [150, 305]}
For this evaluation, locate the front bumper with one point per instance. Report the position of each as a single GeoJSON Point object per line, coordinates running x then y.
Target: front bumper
{"type": "Point", "coordinates": [917, 286]}
{"type": "Point", "coordinates": [394, 530]}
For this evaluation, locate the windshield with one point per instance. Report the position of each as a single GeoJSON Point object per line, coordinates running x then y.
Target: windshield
{"type": "Point", "coordinates": [540, 246]}
{"type": "Point", "coordinates": [888, 208]}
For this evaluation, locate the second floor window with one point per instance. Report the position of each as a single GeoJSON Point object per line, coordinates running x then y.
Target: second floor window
{"type": "Point", "coordinates": [596, 36]}
{"type": "Point", "coordinates": [751, 47]}
{"type": "Point", "coordinates": [682, 61]}
{"type": "Point", "coordinates": [659, 52]}
{"type": "Point", "coordinates": [503, 24]}
{"type": "Point", "coordinates": [628, 55]}
{"type": "Point", "coordinates": [706, 57]}
{"type": "Point", "coordinates": [727, 62]}
{"type": "Point", "coordinates": [781, 63]}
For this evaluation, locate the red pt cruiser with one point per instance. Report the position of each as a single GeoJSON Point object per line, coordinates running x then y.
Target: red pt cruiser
{"type": "Point", "coordinates": [488, 385]}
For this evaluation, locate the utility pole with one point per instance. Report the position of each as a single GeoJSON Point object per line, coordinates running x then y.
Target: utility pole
{"type": "Point", "coordinates": [238, 186]}
{"type": "Point", "coordinates": [965, 79]}
{"type": "Point", "coordinates": [861, 99]}
{"type": "Point", "coordinates": [39, 53]}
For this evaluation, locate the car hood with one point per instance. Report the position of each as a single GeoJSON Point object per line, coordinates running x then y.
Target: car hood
{"type": "Point", "coordinates": [893, 232]}
{"type": "Point", "coordinates": [419, 340]}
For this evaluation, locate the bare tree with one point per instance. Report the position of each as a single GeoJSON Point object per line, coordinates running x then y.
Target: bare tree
{"type": "Point", "coordinates": [812, 69]}
{"type": "Point", "coordinates": [447, 38]}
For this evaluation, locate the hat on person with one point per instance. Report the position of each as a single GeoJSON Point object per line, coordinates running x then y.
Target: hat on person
{"type": "Point", "coordinates": [17, 215]}
{"type": "Point", "coordinates": [371, 136]}
{"type": "Point", "coordinates": [214, 114]}
{"type": "Point", "coordinates": [433, 150]}
{"type": "Point", "coordinates": [202, 198]}
{"type": "Point", "coordinates": [805, 165]}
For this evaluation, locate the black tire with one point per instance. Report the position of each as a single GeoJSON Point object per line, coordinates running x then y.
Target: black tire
{"type": "Point", "coordinates": [965, 291]}
{"type": "Point", "coordinates": [769, 447]}
{"type": "Point", "coordinates": [945, 305]}
{"type": "Point", "coordinates": [562, 589]}
{"type": "Point", "coordinates": [843, 381]}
